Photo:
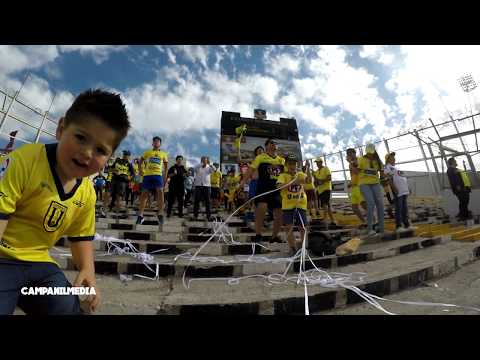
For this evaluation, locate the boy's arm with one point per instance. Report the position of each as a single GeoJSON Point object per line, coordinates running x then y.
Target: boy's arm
{"type": "Point", "coordinates": [3, 226]}
{"type": "Point", "coordinates": [83, 258]}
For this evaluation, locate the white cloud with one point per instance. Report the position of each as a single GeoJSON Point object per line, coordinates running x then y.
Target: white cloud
{"type": "Point", "coordinates": [282, 65]}
{"type": "Point", "coordinates": [99, 53]}
{"type": "Point", "coordinates": [378, 53]}
{"type": "Point", "coordinates": [171, 56]}
{"type": "Point", "coordinates": [18, 58]}
{"type": "Point", "coordinates": [194, 53]}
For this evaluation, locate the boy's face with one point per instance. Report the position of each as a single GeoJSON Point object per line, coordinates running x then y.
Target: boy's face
{"type": "Point", "coordinates": [292, 166]}
{"type": "Point", "coordinates": [83, 149]}
{"type": "Point", "coordinates": [179, 161]}
{"type": "Point", "coordinates": [156, 144]}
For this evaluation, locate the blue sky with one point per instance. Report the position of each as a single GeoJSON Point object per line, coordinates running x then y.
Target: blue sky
{"type": "Point", "coordinates": [340, 95]}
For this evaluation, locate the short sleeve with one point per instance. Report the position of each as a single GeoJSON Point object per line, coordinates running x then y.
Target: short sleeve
{"type": "Point", "coordinates": [13, 179]}
{"type": "Point", "coordinates": [301, 176]}
{"type": "Point", "coordinates": [256, 163]}
{"type": "Point", "coordinates": [84, 230]}
{"type": "Point", "coordinates": [165, 157]}
{"type": "Point", "coordinates": [281, 179]}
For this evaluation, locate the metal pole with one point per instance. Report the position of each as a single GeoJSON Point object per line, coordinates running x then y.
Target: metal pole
{"type": "Point", "coordinates": [435, 166]}
{"type": "Point", "coordinates": [386, 146]}
{"type": "Point", "coordinates": [11, 103]}
{"type": "Point", "coordinates": [43, 119]}
{"type": "Point", "coordinates": [345, 185]}
{"type": "Point", "coordinates": [426, 162]}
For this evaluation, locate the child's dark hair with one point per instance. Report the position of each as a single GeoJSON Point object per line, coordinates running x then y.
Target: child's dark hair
{"type": "Point", "coordinates": [106, 106]}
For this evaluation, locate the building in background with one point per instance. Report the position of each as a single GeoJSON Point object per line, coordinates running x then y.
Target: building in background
{"type": "Point", "coordinates": [259, 129]}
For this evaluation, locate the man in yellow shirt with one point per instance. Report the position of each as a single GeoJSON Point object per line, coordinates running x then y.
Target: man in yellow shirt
{"type": "Point", "coordinates": [310, 191]}
{"type": "Point", "coordinates": [355, 194]}
{"type": "Point", "coordinates": [461, 188]}
{"type": "Point", "coordinates": [294, 200]}
{"type": "Point", "coordinates": [156, 164]}
{"type": "Point", "coordinates": [45, 195]}
{"type": "Point", "coordinates": [370, 167]}
{"type": "Point", "coordinates": [270, 166]}
{"type": "Point", "coordinates": [323, 181]}
{"type": "Point", "coordinates": [215, 183]}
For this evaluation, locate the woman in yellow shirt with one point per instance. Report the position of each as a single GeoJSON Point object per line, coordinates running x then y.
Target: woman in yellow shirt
{"type": "Point", "coordinates": [370, 167]}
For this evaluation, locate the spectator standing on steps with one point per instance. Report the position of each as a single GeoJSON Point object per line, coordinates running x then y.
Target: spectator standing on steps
{"type": "Point", "coordinates": [202, 186]}
{"type": "Point", "coordinates": [177, 174]}
{"type": "Point", "coordinates": [461, 187]}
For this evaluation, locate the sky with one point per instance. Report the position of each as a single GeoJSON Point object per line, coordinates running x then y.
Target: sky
{"type": "Point", "coordinates": [340, 95]}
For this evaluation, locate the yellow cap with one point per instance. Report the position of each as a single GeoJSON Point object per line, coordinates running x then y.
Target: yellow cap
{"type": "Point", "coordinates": [370, 148]}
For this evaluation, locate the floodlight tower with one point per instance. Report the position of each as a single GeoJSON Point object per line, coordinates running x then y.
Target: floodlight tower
{"type": "Point", "coordinates": [468, 84]}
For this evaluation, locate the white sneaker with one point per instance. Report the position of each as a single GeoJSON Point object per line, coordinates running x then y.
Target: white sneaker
{"type": "Point", "coordinates": [371, 233]}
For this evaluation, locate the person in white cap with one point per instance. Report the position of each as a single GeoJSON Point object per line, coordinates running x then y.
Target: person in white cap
{"type": "Point", "coordinates": [399, 185]}
{"type": "Point", "coordinates": [371, 167]}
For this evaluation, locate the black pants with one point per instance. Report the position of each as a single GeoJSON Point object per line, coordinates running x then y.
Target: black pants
{"type": "Point", "coordinates": [173, 194]}
{"type": "Point", "coordinates": [188, 197]}
{"type": "Point", "coordinates": [118, 189]}
{"type": "Point", "coordinates": [202, 193]}
{"type": "Point", "coordinates": [463, 200]}
{"type": "Point", "coordinates": [99, 192]}
{"type": "Point", "coordinates": [129, 195]}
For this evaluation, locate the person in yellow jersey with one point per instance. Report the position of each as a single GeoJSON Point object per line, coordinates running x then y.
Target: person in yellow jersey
{"type": "Point", "coordinates": [156, 164]}
{"type": "Point", "coordinates": [215, 183]}
{"type": "Point", "coordinates": [232, 182]}
{"type": "Point", "coordinates": [108, 170]}
{"type": "Point", "coordinates": [371, 168]}
{"type": "Point", "coordinates": [269, 166]}
{"type": "Point", "coordinates": [122, 174]}
{"type": "Point", "coordinates": [322, 178]}
{"type": "Point", "coordinates": [46, 195]}
{"type": "Point", "coordinates": [461, 187]}
{"type": "Point", "coordinates": [310, 191]}
{"type": "Point", "coordinates": [356, 196]}
{"type": "Point", "coordinates": [294, 200]}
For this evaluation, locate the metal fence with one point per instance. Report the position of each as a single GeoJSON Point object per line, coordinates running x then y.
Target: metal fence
{"type": "Point", "coordinates": [32, 124]}
{"type": "Point", "coordinates": [422, 152]}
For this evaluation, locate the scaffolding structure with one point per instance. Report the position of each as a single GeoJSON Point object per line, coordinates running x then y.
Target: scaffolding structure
{"type": "Point", "coordinates": [422, 153]}
{"type": "Point", "coordinates": [33, 124]}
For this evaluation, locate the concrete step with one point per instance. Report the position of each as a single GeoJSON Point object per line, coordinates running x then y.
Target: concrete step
{"type": "Point", "coordinates": [253, 296]}
{"type": "Point", "coordinates": [226, 265]}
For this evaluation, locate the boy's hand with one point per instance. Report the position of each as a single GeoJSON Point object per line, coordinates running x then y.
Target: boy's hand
{"type": "Point", "coordinates": [87, 278]}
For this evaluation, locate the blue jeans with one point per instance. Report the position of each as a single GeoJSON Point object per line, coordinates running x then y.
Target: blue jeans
{"type": "Point", "coordinates": [373, 196]}
{"type": "Point", "coordinates": [401, 211]}
{"type": "Point", "coordinates": [14, 275]}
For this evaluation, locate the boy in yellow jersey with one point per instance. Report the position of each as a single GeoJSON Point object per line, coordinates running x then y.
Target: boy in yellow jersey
{"type": "Point", "coordinates": [215, 183]}
{"type": "Point", "coordinates": [270, 166]}
{"type": "Point", "coordinates": [310, 191]}
{"type": "Point", "coordinates": [156, 164]}
{"type": "Point", "coordinates": [355, 193]}
{"type": "Point", "coordinates": [232, 186]}
{"type": "Point", "coordinates": [294, 200]}
{"type": "Point", "coordinates": [323, 181]}
{"type": "Point", "coordinates": [46, 195]}
{"type": "Point", "coordinates": [370, 166]}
